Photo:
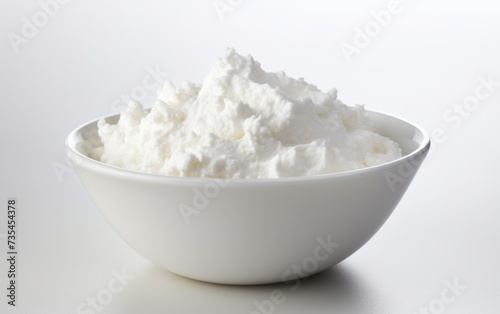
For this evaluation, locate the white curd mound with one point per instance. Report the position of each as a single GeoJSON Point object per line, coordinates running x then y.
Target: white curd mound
{"type": "Point", "coordinates": [243, 122]}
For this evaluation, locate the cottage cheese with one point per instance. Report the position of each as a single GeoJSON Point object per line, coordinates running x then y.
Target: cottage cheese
{"type": "Point", "coordinates": [243, 122]}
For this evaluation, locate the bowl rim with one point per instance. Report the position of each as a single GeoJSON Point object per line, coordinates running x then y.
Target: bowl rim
{"type": "Point", "coordinates": [419, 152]}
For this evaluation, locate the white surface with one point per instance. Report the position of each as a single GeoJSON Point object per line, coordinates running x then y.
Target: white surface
{"type": "Point", "coordinates": [427, 59]}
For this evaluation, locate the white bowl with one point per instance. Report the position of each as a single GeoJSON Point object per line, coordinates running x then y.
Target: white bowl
{"type": "Point", "coordinates": [249, 231]}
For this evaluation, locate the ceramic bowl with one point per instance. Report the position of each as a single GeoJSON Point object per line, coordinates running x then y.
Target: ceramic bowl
{"type": "Point", "coordinates": [249, 231]}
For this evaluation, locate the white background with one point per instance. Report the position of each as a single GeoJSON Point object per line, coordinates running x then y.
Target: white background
{"type": "Point", "coordinates": [425, 62]}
